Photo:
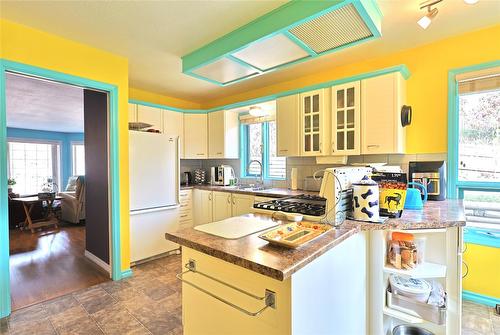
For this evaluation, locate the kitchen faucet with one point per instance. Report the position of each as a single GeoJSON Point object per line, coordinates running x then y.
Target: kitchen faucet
{"type": "Point", "coordinates": [261, 170]}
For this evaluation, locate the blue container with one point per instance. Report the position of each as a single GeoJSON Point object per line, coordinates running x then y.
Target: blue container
{"type": "Point", "coordinates": [414, 198]}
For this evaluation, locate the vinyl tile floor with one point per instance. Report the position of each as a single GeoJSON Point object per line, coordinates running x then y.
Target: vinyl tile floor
{"type": "Point", "coordinates": [147, 303]}
{"type": "Point", "coordinates": [150, 303]}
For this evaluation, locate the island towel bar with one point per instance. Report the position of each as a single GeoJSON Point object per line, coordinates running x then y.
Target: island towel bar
{"type": "Point", "coordinates": [269, 297]}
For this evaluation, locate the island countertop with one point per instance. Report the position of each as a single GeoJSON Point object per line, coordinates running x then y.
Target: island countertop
{"type": "Point", "coordinates": [279, 263]}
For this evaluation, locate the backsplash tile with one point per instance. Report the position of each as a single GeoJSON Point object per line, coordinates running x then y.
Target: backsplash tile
{"type": "Point", "coordinates": [306, 166]}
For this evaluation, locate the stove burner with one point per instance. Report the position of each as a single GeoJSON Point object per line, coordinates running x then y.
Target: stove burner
{"type": "Point", "coordinates": [305, 204]}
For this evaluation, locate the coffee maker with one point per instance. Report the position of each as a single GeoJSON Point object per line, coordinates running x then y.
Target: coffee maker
{"type": "Point", "coordinates": [432, 175]}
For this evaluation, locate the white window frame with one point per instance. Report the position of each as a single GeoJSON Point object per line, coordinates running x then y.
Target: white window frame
{"type": "Point", "coordinates": [56, 168]}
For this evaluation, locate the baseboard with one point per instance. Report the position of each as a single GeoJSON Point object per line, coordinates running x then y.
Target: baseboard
{"type": "Point", "coordinates": [152, 258]}
{"type": "Point", "coordinates": [102, 264]}
{"type": "Point", "coordinates": [480, 299]}
{"type": "Point", "coordinates": [126, 273]}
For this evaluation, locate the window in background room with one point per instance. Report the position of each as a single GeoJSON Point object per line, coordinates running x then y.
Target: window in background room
{"type": "Point", "coordinates": [479, 129]}
{"type": "Point", "coordinates": [78, 159]}
{"type": "Point", "coordinates": [31, 164]}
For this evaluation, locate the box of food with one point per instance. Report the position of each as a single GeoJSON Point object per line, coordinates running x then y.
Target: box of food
{"type": "Point", "coordinates": [392, 192]}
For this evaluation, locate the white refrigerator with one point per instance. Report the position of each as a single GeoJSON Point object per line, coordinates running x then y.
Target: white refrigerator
{"type": "Point", "coordinates": [154, 192]}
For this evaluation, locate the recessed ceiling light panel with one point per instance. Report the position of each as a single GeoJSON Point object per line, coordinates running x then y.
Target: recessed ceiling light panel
{"type": "Point", "coordinates": [295, 32]}
{"type": "Point", "coordinates": [271, 52]}
{"type": "Point", "coordinates": [224, 71]}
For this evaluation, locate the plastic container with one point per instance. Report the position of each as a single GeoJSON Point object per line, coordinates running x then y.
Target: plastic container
{"type": "Point", "coordinates": [428, 312]}
{"type": "Point", "coordinates": [416, 289]}
{"type": "Point", "coordinates": [420, 244]}
{"type": "Point", "coordinates": [402, 252]}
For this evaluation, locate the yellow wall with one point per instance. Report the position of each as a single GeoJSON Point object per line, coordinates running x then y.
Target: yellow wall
{"type": "Point", "coordinates": [484, 270]}
{"type": "Point", "coordinates": [427, 86]}
{"type": "Point", "coordinates": [33, 47]}
{"type": "Point", "coordinates": [138, 94]}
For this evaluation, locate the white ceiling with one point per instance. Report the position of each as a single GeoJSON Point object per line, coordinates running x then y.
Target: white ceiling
{"type": "Point", "coordinates": [153, 35]}
{"type": "Point", "coordinates": [43, 105]}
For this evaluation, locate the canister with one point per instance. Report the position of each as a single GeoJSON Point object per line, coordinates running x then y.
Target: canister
{"type": "Point", "coordinates": [365, 200]}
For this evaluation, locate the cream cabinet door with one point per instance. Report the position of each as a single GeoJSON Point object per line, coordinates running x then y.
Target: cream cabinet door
{"type": "Point", "coordinates": [132, 113]}
{"type": "Point", "coordinates": [223, 135]}
{"type": "Point", "coordinates": [346, 119]}
{"type": "Point", "coordinates": [173, 124]}
{"type": "Point", "coordinates": [216, 132]}
{"type": "Point", "coordinates": [151, 115]}
{"type": "Point", "coordinates": [313, 115]}
{"type": "Point", "coordinates": [381, 100]}
{"type": "Point", "coordinates": [202, 203]}
{"type": "Point", "coordinates": [242, 204]}
{"type": "Point", "coordinates": [221, 206]}
{"type": "Point", "coordinates": [195, 136]}
{"type": "Point", "coordinates": [288, 126]}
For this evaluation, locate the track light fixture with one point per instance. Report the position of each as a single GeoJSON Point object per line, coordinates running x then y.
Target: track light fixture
{"type": "Point", "coordinates": [426, 20]}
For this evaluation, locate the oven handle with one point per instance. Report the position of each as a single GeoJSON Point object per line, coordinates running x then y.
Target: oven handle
{"type": "Point", "coordinates": [269, 297]}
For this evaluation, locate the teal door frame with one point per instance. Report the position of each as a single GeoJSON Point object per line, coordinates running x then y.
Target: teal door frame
{"type": "Point", "coordinates": [112, 90]}
{"type": "Point", "coordinates": [456, 188]}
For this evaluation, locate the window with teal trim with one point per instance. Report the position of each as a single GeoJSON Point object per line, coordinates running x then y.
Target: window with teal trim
{"type": "Point", "coordinates": [478, 147]}
{"type": "Point", "coordinates": [259, 144]}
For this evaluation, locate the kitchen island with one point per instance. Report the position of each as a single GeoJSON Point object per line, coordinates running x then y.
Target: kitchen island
{"type": "Point", "coordinates": [333, 285]}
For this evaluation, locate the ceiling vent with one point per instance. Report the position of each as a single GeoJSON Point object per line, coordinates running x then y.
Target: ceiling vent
{"type": "Point", "coordinates": [293, 33]}
{"type": "Point", "coordinates": [340, 27]}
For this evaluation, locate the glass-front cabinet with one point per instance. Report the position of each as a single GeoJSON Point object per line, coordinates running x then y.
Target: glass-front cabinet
{"type": "Point", "coordinates": [346, 116]}
{"type": "Point", "coordinates": [312, 122]}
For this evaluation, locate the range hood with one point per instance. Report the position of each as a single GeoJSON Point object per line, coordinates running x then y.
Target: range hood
{"type": "Point", "coordinates": [295, 32]}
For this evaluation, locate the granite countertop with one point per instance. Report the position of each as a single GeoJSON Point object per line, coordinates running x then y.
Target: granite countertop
{"type": "Point", "coordinates": [274, 192]}
{"type": "Point", "coordinates": [280, 263]}
{"type": "Point", "coordinates": [435, 215]}
{"type": "Point", "coordinates": [257, 255]}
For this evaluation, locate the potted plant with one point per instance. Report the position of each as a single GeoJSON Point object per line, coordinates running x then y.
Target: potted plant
{"type": "Point", "coordinates": [11, 182]}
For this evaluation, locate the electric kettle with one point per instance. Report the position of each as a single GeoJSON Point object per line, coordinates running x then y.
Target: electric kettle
{"type": "Point", "coordinates": [414, 197]}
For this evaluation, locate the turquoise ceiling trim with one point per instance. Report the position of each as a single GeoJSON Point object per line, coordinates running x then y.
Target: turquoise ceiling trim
{"type": "Point", "coordinates": [403, 69]}
{"type": "Point", "coordinates": [279, 21]}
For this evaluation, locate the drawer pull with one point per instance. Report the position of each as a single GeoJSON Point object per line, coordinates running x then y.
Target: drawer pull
{"type": "Point", "coordinates": [283, 150]}
{"type": "Point", "coordinates": [373, 145]}
{"type": "Point", "coordinates": [200, 154]}
{"type": "Point", "coordinates": [183, 216]}
{"type": "Point", "coordinates": [269, 297]}
{"type": "Point", "coordinates": [219, 153]}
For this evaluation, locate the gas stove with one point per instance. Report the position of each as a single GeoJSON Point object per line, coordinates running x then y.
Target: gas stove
{"type": "Point", "coordinates": [311, 206]}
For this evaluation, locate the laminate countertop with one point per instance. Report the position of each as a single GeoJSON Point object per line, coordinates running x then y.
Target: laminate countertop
{"type": "Point", "coordinates": [280, 263]}
{"type": "Point", "coordinates": [274, 192]}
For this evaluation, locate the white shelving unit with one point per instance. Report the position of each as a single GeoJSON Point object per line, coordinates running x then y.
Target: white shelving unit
{"type": "Point", "coordinates": [441, 264]}
{"type": "Point", "coordinates": [424, 270]}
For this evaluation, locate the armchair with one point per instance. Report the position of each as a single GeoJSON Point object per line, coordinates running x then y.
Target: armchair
{"type": "Point", "coordinates": [73, 200]}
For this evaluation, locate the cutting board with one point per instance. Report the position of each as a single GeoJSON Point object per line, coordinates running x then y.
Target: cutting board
{"type": "Point", "coordinates": [236, 227]}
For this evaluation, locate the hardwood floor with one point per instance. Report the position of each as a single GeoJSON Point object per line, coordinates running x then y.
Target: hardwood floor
{"type": "Point", "coordinates": [49, 264]}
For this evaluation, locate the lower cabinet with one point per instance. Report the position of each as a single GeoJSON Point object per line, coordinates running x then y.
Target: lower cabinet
{"type": "Point", "coordinates": [212, 206]}
{"type": "Point", "coordinates": [221, 206]}
{"type": "Point", "coordinates": [202, 202]}
{"type": "Point", "coordinates": [242, 204]}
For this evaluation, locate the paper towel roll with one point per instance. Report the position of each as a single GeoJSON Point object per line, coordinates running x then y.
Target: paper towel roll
{"type": "Point", "coordinates": [293, 179]}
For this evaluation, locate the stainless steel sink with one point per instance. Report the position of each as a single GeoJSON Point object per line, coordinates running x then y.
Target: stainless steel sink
{"type": "Point", "coordinates": [251, 188]}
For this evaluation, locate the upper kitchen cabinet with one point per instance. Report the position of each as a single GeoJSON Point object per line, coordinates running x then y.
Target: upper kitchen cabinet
{"type": "Point", "coordinates": [132, 113]}
{"type": "Point", "coordinates": [313, 122]}
{"type": "Point", "coordinates": [346, 118]}
{"type": "Point", "coordinates": [195, 136]}
{"type": "Point", "coordinates": [382, 98]}
{"type": "Point", "coordinates": [288, 125]}
{"type": "Point", "coordinates": [150, 115]}
{"type": "Point", "coordinates": [223, 135]}
{"type": "Point", "coordinates": [173, 124]}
